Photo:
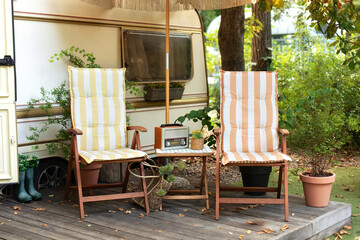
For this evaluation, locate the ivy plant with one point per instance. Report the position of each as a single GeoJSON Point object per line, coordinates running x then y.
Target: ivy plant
{"type": "Point", "coordinates": [60, 95]}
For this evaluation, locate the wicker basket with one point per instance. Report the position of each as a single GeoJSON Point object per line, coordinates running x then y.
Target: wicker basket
{"type": "Point", "coordinates": [197, 143]}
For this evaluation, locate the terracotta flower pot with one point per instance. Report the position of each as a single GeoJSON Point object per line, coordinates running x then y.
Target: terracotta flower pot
{"type": "Point", "coordinates": [197, 143]}
{"type": "Point", "coordinates": [317, 190]}
{"type": "Point", "coordinates": [90, 174]}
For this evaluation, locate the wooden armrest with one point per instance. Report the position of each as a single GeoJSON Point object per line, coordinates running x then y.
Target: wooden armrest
{"type": "Point", "coordinates": [74, 131]}
{"type": "Point", "coordinates": [137, 128]}
{"type": "Point", "coordinates": [284, 132]}
{"type": "Point", "coordinates": [217, 131]}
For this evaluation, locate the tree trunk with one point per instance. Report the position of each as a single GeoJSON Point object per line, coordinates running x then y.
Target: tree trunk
{"type": "Point", "coordinates": [261, 44]}
{"type": "Point", "coordinates": [231, 39]}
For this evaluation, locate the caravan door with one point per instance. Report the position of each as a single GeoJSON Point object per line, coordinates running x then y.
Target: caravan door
{"type": "Point", "coordinates": [8, 137]}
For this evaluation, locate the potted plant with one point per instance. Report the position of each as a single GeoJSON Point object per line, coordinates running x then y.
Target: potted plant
{"type": "Point", "coordinates": [197, 140]}
{"type": "Point", "coordinates": [89, 173]}
{"type": "Point", "coordinates": [156, 91]}
{"type": "Point", "coordinates": [317, 135]}
{"type": "Point", "coordinates": [158, 184]}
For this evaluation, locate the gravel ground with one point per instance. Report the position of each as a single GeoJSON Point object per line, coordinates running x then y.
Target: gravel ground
{"type": "Point", "coordinates": [232, 174]}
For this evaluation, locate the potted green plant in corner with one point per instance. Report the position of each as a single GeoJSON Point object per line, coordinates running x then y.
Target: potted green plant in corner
{"type": "Point", "coordinates": [317, 135]}
{"type": "Point", "coordinates": [156, 91]}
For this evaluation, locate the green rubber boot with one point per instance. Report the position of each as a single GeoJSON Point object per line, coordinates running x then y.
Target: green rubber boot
{"type": "Point", "coordinates": [29, 183]}
{"type": "Point", "coordinates": [22, 195]}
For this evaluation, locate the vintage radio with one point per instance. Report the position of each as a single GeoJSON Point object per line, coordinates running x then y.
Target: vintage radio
{"type": "Point", "coordinates": [171, 136]}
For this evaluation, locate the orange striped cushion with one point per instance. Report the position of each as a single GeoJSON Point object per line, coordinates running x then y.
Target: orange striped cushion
{"type": "Point", "coordinates": [249, 117]}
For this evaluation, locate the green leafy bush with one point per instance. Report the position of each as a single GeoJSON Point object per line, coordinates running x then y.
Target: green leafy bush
{"type": "Point", "coordinates": [319, 128]}
{"type": "Point", "coordinates": [208, 117]}
{"type": "Point", "coordinates": [310, 65]}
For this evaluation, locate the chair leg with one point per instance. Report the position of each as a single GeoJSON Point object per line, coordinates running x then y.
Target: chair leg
{"type": "Point", "coordinates": [143, 182]}
{"type": "Point", "coordinates": [68, 176]}
{"type": "Point", "coordinates": [217, 198]}
{"type": "Point", "coordinates": [280, 181]}
{"type": "Point", "coordinates": [286, 193]}
{"type": "Point", "coordinates": [79, 187]}
{"type": "Point", "coordinates": [126, 178]}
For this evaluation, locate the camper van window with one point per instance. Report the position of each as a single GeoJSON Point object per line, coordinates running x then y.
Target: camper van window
{"type": "Point", "coordinates": [145, 56]}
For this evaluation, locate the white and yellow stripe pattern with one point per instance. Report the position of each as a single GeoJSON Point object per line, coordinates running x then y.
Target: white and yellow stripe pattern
{"type": "Point", "coordinates": [249, 117]}
{"type": "Point", "coordinates": [98, 110]}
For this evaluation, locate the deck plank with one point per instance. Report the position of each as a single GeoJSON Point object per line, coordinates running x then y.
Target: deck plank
{"type": "Point", "coordinates": [105, 221]}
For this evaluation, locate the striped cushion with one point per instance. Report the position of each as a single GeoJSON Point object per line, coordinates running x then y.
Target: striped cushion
{"type": "Point", "coordinates": [98, 109]}
{"type": "Point", "coordinates": [121, 153]}
{"type": "Point", "coordinates": [249, 117]}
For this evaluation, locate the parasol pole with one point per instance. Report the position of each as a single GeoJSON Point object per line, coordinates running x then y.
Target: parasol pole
{"type": "Point", "coordinates": [167, 73]}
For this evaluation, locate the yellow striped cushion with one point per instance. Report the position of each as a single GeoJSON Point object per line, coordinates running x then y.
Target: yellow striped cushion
{"type": "Point", "coordinates": [249, 117]}
{"type": "Point", "coordinates": [122, 153]}
{"type": "Point", "coordinates": [98, 109]}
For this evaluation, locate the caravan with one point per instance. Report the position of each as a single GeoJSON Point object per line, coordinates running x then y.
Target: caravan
{"type": "Point", "coordinates": [117, 38]}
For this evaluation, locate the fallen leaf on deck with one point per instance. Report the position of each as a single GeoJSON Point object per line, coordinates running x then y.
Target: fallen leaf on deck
{"type": "Point", "coordinates": [203, 210]}
{"type": "Point", "coordinates": [17, 208]}
{"type": "Point", "coordinates": [181, 215]}
{"type": "Point", "coordinates": [39, 209]}
{"type": "Point", "coordinates": [349, 189]}
{"type": "Point", "coordinates": [75, 206]}
{"type": "Point", "coordinates": [185, 210]}
{"type": "Point", "coordinates": [248, 231]}
{"type": "Point", "coordinates": [219, 227]}
{"type": "Point", "coordinates": [44, 225]}
{"type": "Point", "coordinates": [342, 232]}
{"type": "Point", "coordinates": [222, 209]}
{"type": "Point", "coordinates": [116, 230]}
{"type": "Point", "coordinates": [283, 228]}
{"type": "Point", "coordinates": [89, 225]}
{"type": "Point", "coordinates": [241, 237]}
{"type": "Point", "coordinates": [16, 213]}
{"type": "Point", "coordinates": [141, 215]}
{"type": "Point", "coordinates": [159, 231]}
{"type": "Point", "coordinates": [338, 236]}
{"type": "Point", "coordinates": [111, 211]}
{"type": "Point", "coordinates": [347, 227]}
{"type": "Point", "coordinates": [209, 193]}
{"type": "Point", "coordinates": [128, 211]}
{"type": "Point", "coordinates": [293, 214]}
{"type": "Point", "coordinates": [230, 233]}
{"type": "Point", "coordinates": [256, 222]}
{"type": "Point", "coordinates": [355, 215]}
{"type": "Point", "coordinates": [79, 221]}
{"type": "Point", "coordinates": [121, 209]}
{"type": "Point", "coordinates": [2, 223]}
{"type": "Point", "coordinates": [51, 195]}
{"type": "Point", "coordinates": [207, 213]}
{"type": "Point", "coordinates": [133, 208]}
{"type": "Point", "coordinates": [242, 208]}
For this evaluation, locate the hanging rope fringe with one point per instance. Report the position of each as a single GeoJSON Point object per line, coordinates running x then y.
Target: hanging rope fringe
{"type": "Point", "coordinates": [175, 5]}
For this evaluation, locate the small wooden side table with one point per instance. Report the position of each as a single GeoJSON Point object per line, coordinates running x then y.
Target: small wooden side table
{"type": "Point", "coordinates": [187, 152]}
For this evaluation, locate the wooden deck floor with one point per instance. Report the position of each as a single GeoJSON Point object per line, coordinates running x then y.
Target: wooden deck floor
{"type": "Point", "coordinates": [54, 218]}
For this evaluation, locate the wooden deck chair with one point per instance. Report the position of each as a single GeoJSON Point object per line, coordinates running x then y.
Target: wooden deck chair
{"type": "Point", "coordinates": [249, 133]}
{"type": "Point", "coordinates": [99, 130]}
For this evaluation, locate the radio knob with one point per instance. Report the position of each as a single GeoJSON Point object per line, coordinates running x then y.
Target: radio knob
{"type": "Point", "coordinates": [167, 143]}
{"type": "Point", "coordinates": [183, 142]}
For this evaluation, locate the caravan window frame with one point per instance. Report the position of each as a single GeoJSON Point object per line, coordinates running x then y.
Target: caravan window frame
{"type": "Point", "coordinates": [144, 33]}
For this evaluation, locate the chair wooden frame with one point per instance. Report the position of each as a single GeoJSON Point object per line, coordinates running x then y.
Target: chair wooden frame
{"type": "Point", "coordinates": [74, 156]}
{"type": "Point", "coordinates": [283, 178]}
